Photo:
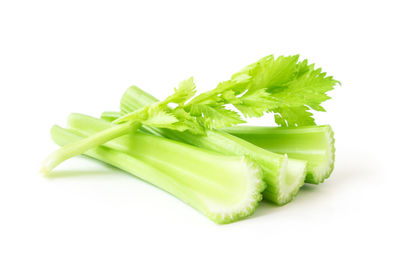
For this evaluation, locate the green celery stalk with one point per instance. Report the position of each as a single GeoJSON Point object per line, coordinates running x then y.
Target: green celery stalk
{"type": "Point", "coordinates": [224, 188]}
{"type": "Point", "coordinates": [283, 176]}
{"type": "Point", "coordinates": [74, 149]}
{"type": "Point", "coordinates": [110, 115]}
{"type": "Point", "coordinates": [315, 144]}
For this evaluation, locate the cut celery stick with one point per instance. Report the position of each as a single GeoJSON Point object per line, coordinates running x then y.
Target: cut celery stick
{"type": "Point", "coordinates": [312, 143]}
{"type": "Point", "coordinates": [224, 188]}
{"type": "Point", "coordinates": [283, 176]}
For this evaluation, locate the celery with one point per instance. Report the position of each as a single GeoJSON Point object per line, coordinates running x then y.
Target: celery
{"type": "Point", "coordinates": [224, 188]}
{"type": "Point", "coordinates": [224, 176]}
{"type": "Point", "coordinates": [315, 144]}
{"type": "Point", "coordinates": [77, 148]}
{"type": "Point", "coordinates": [110, 115]}
{"type": "Point", "coordinates": [286, 86]}
{"type": "Point", "coordinates": [283, 176]}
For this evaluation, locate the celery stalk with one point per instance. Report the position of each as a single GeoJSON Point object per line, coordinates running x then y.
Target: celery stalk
{"type": "Point", "coordinates": [110, 115]}
{"type": "Point", "coordinates": [283, 176]}
{"type": "Point", "coordinates": [315, 144]}
{"type": "Point", "coordinates": [224, 188]}
{"type": "Point", "coordinates": [74, 149]}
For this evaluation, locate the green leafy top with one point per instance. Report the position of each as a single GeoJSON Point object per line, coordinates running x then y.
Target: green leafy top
{"type": "Point", "coordinates": [160, 115]}
{"type": "Point", "coordinates": [208, 113]}
{"type": "Point", "coordinates": [285, 86]}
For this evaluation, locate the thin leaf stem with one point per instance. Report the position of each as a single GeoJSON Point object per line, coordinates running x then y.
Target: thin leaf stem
{"type": "Point", "coordinates": [81, 146]}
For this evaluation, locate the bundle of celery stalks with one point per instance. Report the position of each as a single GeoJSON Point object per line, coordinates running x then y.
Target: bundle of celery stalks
{"type": "Point", "coordinates": [194, 148]}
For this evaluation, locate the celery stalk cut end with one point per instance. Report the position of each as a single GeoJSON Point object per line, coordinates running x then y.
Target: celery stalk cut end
{"type": "Point", "coordinates": [293, 173]}
{"type": "Point", "coordinates": [324, 168]}
{"type": "Point", "coordinates": [314, 144]}
{"type": "Point", "coordinates": [249, 200]}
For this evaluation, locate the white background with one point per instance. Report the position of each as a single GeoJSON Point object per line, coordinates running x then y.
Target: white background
{"type": "Point", "coordinates": [58, 57]}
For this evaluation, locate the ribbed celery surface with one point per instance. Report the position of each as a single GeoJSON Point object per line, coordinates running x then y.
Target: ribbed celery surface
{"type": "Point", "coordinates": [224, 188]}
{"type": "Point", "coordinates": [283, 176]}
{"type": "Point", "coordinates": [312, 143]}
{"type": "Point", "coordinates": [315, 144]}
